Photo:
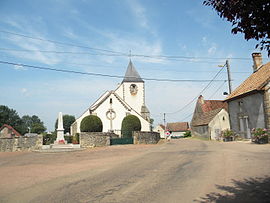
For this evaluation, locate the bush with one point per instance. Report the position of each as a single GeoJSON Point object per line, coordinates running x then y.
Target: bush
{"type": "Point", "coordinates": [68, 139]}
{"type": "Point", "coordinates": [49, 138]}
{"type": "Point", "coordinates": [91, 123]}
{"type": "Point", "coordinates": [130, 123]}
{"type": "Point", "coordinates": [76, 139]}
{"type": "Point", "coordinates": [187, 133]}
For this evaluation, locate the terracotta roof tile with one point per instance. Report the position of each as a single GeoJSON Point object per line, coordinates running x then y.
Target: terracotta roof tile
{"type": "Point", "coordinates": [178, 126]}
{"type": "Point", "coordinates": [11, 128]}
{"type": "Point", "coordinates": [205, 118]}
{"type": "Point", "coordinates": [255, 81]}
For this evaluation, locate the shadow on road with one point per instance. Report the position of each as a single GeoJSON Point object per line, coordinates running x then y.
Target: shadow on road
{"type": "Point", "coordinates": [248, 190]}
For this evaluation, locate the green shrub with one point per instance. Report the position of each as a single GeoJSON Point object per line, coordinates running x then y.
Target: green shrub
{"type": "Point", "coordinates": [130, 123]}
{"type": "Point", "coordinates": [49, 138]}
{"type": "Point", "coordinates": [91, 123]}
{"type": "Point", "coordinates": [68, 139]}
{"type": "Point", "coordinates": [76, 139]}
{"type": "Point", "coordinates": [187, 133]}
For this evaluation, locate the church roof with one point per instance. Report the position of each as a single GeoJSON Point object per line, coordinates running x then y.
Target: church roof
{"type": "Point", "coordinates": [131, 74]}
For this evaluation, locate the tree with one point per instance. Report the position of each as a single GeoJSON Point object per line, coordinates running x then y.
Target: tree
{"type": "Point", "coordinates": [91, 123]}
{"type": "Point", "coordinates": [11, 117]}
{"type": "Point", "coordinates": [250, 17]}
{"type": "Point", "coordinates": [67, 122]}
{"type": "Point", "coordinates": [130, 123]}
{"type": "Point", "coordinates": [33, 123]}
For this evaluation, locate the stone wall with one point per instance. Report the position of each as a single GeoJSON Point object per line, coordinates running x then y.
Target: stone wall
{"type": "Point", "coordinates": [21, 143]}
{"type": "Point", "coordinates": [142, 137]}
{"type": "Point", "coordinates": [95, 139]}
{"type": "Point", "coordinates": [200, 131]}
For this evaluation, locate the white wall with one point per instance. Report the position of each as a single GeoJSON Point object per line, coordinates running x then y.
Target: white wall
{"type": "Point", "coordinates": [160, 130]}
{"type": "Point", "coordinates": [219, 122]}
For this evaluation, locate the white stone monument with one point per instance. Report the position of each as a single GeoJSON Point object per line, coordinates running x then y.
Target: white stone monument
{"type": "Point", "coordinates": [60, 130]}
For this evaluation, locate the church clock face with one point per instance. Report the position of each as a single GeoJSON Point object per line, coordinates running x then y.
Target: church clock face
{"type": "Point", "coordinates": [133, 89]}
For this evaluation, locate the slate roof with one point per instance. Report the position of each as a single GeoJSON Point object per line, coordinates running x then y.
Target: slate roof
{"type": "Point", "coordinates": [12, 129]}
{"type": "Point", "coordinates": [131, 74]}
{"type": "Point", "coordinates": [255, 82]}
{"type": "Point", "coordinates": [177, 126]}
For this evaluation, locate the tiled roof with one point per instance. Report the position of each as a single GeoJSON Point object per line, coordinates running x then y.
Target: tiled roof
{"type": "Point", "coordinates": [205, 118]}
{"type": "Point", "coordinates": [210, 105]}
{"type": "Point", "coordinates": [11, 128]}
{"type": "Point", "coordinates": [255, 81]}
{"type": "Point", "coordinates": [178, 126]}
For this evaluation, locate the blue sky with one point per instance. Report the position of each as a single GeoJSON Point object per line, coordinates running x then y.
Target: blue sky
{"type": "Point", "coordinates": [183, 28]}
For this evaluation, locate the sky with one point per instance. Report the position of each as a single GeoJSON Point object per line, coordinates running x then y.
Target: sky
{"type": "Point", "coordinates": [100, 36]}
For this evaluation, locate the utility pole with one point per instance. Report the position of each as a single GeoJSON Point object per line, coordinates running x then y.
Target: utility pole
{"type": "Point", "coordinates": [164, 122]}
{"type": "Point", "coordinates": [229, 76]}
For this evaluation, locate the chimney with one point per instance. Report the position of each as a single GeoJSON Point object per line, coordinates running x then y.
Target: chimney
{"type": "Point", "coordinates": [201, 99]}
{"type": "Point", "coordinates": [257, 61]}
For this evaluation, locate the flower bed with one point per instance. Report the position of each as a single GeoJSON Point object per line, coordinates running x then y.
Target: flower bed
{"type": "Point", "coordinates": [259, 135]}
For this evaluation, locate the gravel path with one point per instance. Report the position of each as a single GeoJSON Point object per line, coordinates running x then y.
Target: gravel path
{"type": "Point", "coordinates": [185, 170]}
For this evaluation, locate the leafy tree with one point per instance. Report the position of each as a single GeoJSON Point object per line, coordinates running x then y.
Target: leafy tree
{"type": "Point", "coordinates": [33, 123]}
{"type": "Point", "coordinates": [151, 124]}
{"type": "Point", "coordinates": [91, 123]}
{"type": "Point", "coordinates": [250, 17]}
{"type": "Point", "coordinates": [67, 122]}
{"type": "Point", "coordinates": [11, 117]}
{"type": "Point", "coordinates": [130, 123]}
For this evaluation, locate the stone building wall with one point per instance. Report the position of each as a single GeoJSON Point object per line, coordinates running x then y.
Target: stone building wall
{"type": "Point", "coordinates": [21, 143]}
{"type": "Point", "coordinates": [95, 139]}
{"type": "Point", "coordinates": [142, 137]}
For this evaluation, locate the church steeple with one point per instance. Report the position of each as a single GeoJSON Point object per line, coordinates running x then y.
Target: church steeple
{"type": "Point", "coordinates": [131, 74]}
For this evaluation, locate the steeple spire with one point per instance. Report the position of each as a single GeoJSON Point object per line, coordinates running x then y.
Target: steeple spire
{"type": "Point", "coordinates": [131, 74]}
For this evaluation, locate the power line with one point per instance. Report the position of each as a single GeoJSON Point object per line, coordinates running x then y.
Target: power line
{"type": "Point", "coordinates": [199, 93]}
{"type": "Point", "coordinates": [217, 90]}
{"type": "Point", "coordinates": [175, 57]}
{"type": "Point", "coordinates": [57, 42]}
{"type": "Point", "coordinates": [104, 75]}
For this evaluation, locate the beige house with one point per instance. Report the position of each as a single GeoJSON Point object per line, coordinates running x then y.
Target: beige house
{"type": "Point", "coordinates": [177, 129]}
{"type": "Point", "coordinates": [161, 130]}
{"type": "Point", "coordinates": [210, 117]}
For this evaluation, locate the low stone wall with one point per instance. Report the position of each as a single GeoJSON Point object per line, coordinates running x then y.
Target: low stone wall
{"type": "Point", "coordinates": [95, 139]}
{"type": "Point", "coordinates": [142, 137]}
{"type": "Point", "coordinates": [21, 143]}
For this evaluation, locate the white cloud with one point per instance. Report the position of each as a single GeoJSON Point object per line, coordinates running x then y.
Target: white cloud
{"type": "Point", "coordinates": [212, 49]}
{"type": "Point", "coordinates": [19, 67]}
{"type": "Point", "coordinates": [139, 12]}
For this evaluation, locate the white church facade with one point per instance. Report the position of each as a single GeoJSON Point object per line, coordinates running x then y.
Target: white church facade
{"type": "Point", "coordinates": [113, 106]}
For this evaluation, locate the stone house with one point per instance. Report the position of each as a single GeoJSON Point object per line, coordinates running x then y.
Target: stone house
{"type": "Point", "coordinates": [177, 129]}
{"type": "Point", "coordinates": [210, 117]}
{"type": "Point", "coordinates": [6, 131]}
{"type": "Point", "coordinates": [160, 129]}
{"type": "Point", "coordinates": [249, 105]}
{"type": "Point", "coordinates": [113, 106]}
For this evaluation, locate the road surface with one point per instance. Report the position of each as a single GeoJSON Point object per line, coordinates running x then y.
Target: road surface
{"type": "Point", "coordinates": [184, 170]}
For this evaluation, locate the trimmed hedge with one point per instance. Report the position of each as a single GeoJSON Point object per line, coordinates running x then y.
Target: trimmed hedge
{"type": "Point", "coordinates": [130, 123]}
{"type": "Point", "coordinates": [91, 123]}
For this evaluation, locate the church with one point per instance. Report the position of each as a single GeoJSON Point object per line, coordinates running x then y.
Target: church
{"type": "Point", "coordinates": [113, 106]}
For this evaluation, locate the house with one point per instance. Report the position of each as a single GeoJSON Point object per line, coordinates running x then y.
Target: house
{"type": "Point", "coordinates": [160, 129]}
{"type": "Point", "coordinates": [6, 131]}
{"type": "Point", "coordinates": [113, 106]}
{"type": "Point", "coordinates": [177, 129]}
{"type": "Point", "coordinates": [249, 103]}
{"type": "Point", "coordinates": [210, 117]}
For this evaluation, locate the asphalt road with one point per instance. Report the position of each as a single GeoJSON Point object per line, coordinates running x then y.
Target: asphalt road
{"type": "Point", "coordinates": [185, 170]}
